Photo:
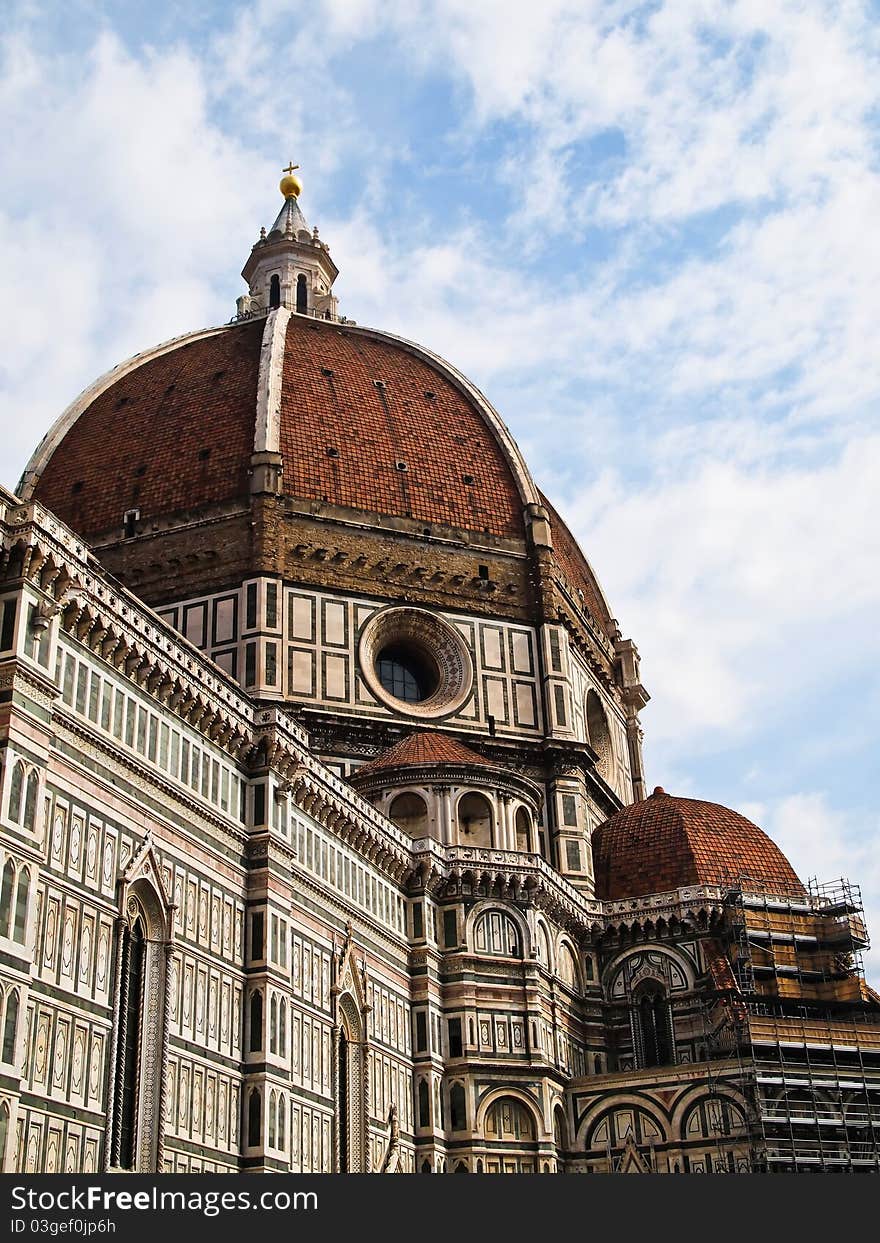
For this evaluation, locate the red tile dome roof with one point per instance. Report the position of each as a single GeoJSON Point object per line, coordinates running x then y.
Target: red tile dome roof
{"type": "Point", "coordinates": [666, 842]}
{"type": "Point", "coordinates": [140, 442]}
{"type": "Point", "coordinates": [419, 750]}
{"type": "Point", "coordinates": [362, 420]}
{"type": "Point", "coordinates": [406, 437]}
{"type": "Point", "coordinates": [364, 423]}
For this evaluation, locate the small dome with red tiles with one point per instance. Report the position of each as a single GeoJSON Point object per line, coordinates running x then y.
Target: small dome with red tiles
{"type": "Point", "coordinates": [666, 842]}
{"type": "Point", "coordinates": [421, 751]}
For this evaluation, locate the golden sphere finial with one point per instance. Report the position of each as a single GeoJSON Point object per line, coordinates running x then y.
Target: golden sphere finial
{"type": "Point", "coordinates": [289, 185]}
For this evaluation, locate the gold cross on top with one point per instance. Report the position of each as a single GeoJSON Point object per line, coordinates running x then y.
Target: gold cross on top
{"type": "Point", "coordinates": [290, 168]}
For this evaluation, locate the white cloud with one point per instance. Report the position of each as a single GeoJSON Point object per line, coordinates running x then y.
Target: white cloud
{"type": "Point", "coordinates": [125, 202]}
{"type": "Point", "coordinates": [732, 573]}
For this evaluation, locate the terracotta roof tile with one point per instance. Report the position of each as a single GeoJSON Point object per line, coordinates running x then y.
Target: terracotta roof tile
{"type": "Point", "coordinates": [417, 750]}
{"type": "Point", "coordinates": [666, 842]}
{"type": "Point", "coordinates": [142, 442]}
{"type": "Point", "coordinates": [368, 401]}
{"type": "Point", "coordinates": [176, 433]}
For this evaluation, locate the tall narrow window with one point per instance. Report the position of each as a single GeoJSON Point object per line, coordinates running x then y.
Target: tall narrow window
{"type": "Point", "coordinates": [6, 898]}
{"type": "Point", "coordinates": [455, 1048]}
{"type": "Point", "coordinates": [128, 1065]}
{"type": "Point", "coordinates": [256, 1018]}
{"type": "Point", "coordinates": [16, 785]}
{"type": "Point", "coordinates": [302, 295]}
{"type": "Point", "coordinates": [344, 1103]}
{"type": "Point", "coordinates": [424, 1104]}
{"type": "Point", "coordinates": [457, 1110]}
{"type": "Point", "coordinates": [10, 1025]}
{"type": "Point", "coordinates": [254, 1118]}
{"type": "Point", "coordinates": [7, 627]}
{"type": "Point", "coordinates": [652, 1026]}
{"type": "Point", "coordinates": [275, 292]}
{"type": "Point", "coordinates": [351, 1091]}
{"type": "Point", "coordinates": [21, 904]}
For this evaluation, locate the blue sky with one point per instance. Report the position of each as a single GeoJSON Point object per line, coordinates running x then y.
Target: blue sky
{"type": "Point", "coordinates": [649, 232]}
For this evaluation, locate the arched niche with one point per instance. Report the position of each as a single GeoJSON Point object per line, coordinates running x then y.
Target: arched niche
{"type": "Point", "coordinates": [524, 829]}
{"type": "Point", "coordinates": [409, 812]}
{"type": "Point", "coordinates": [560, 1133]}
{"type": "Point", "coordinates": [509, 1119]}
{"type": "Point", "coordinates": [567, 967]}
{"type": "Point", "coordinates": [545, 953]}
{"type": "Point", "coordinates": [497, 934]}
{"type": "Point", "coordinates": [474, 820]}
{"type": "Point", "coordinates": [625, 1121]}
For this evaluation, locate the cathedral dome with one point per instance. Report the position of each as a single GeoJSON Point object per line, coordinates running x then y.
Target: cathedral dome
{"type": "Point", "coordinates": [665, 842]}
{"type": "Point", "coordinates": [336, 421]}
{"type": "Point", "coordinates": [362, 423]}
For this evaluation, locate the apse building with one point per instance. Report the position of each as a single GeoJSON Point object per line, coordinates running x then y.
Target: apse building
{"type": "Point", "coordinates": [326, 844]}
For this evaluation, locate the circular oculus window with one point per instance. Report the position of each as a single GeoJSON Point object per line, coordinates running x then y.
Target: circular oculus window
{"type": "Point", "coordinates": [415, 663]}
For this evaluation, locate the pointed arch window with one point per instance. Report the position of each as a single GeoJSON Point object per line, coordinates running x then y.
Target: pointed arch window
{"type": "Point", "coordinates": [30, 800]}
{"type": "Point", "coordinates": [21, 904]}
{"type": "Point", "coordinates": [10, 1026]}
{"type": "Point", "coordinates": [128, 1062]}
{"type": "Point", "coordinates": [255, 1118]}
{"type": "Point", "coordinates": [351, 1088]}
{"type": "Point", "coordinates": [6, 896]}
{"type": "Point", "coordinates": [560, 1137]}
{"type": "Point", "coordinates": [143, 970]}
{"type": "Point", "coordinates": [424, 1104]}
{"type": "Point", "coordinates": [256, 1022]}
{"type": "Point", "coordinates": [16, 786]}
{"type": "Point", "coordinates": [457, 1108]}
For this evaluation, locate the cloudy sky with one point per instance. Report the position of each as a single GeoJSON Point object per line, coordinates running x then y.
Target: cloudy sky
{"type": "Point", "coordinates": [651, 234]}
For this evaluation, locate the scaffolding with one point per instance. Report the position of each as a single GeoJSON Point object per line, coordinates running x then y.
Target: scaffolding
{"type": "Point", "coordinates": [805, 1027]}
